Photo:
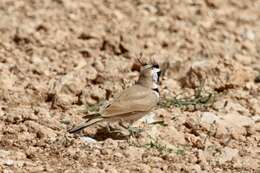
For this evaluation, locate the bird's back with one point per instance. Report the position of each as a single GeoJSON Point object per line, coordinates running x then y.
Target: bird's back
{"type": "Point", "coordinates": [133, 99]}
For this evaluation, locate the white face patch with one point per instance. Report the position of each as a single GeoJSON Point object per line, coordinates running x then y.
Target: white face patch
{"type": "Point", "coordinates": [155, 74]}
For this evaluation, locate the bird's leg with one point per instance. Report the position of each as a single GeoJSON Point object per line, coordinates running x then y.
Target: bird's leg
{"type": "Point", "coordinates": [111, 129]}
{"type": "Point", "coordinates": [108, 126]}
{"type": "Point", "coordinates": [132, 131]}
{"type": "Point", "coordinates": [124, 128]}
{"type": "Point", "coordinates": [121, 123]}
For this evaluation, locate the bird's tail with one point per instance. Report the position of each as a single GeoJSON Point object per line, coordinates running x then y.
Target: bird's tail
{"type": "Point", "coordinates": [85, 124]}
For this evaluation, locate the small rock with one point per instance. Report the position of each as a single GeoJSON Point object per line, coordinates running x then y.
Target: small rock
{"type": "Point", "coordinates": [238, 133]}
{"type": "Point", "coordinates": [145, 168]}
{"type": "Point", "coordinates": [250, 35]}
{"type": "Point", "coordinates": [256, 118]}
{"type": "Point", "coordinates": [255, 105]}
{"type": "Point", "coordinates": [91, 73]}
{"type": "Point", "coordinates": [240, 76]}
{"type": "Point", "coordinates": [8, 162]}
{"type": "Point", "coordinates": [118, 155]}
{"type": "Point", "coordinates": [87, 139]}
{"type": "Point", "coordinates": [247, 163]}
{"type": "Point", "coordinates": [252, 130]}
{"type": "Point", "coordinates": [228, 154]}
{"type": "Point", "coordinates": [202, 157]}
{"type": "Point", "coordinates": [171, 84]}
{"type": "Point", "coordinates": [110, 168]}
{"type": "Point", "coordinates": [209, 117]}
{"type": "Point", "coordinates": [149, 8]}
{"type": "Point", "coordinates": [7, 171]}
{"type": "Point", "coordinates": [219, 104]}
{"type": "Point", "coordinates": [238, 120]}
{"type": "Point", "coordinates": [232, 106]}
{"type": "Point", "coordinates": [65, 100]}
{"type": "Point", "coordinates": [110, 142]}
{"type": "Point", "coordinates": [99, 65]}
{"type": "Point", "coordinates": [156, 170]}
{"type": "Point", "coordinates": [222, 131]}
{"type": "Point", "coordinates": [149, 118]}
{"type": "Point", "coordinates": [4, 153]}
{"type": "Point", "coordinates": [41, 131]}
{"type": "Point", "coordinates": [119, 15]}
{"type": "Point", "coordinates": [97, 93]}
{"type": "Point", "coordinates": [246, 60]}
{"type": "Point", "coordinates": [133, 153]}
{"type": "Point", "coordinates": [172, 135]}
{"type": "Point", "coordinates": [195, 168]}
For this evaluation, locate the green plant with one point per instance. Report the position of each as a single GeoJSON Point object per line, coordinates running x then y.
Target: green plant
{"type": "Point", "coordinates": [180, 151]}
{"type": "Point", "coordinates": [154, 143]}
{"type": "Point", "coordinates": [201, 97]}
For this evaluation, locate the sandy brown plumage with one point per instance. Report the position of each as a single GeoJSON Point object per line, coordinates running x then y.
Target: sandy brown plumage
{"type": "Point", "coordinates": [132, 104]}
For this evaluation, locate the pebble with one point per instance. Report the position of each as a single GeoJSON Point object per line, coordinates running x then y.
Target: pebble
{"type": "Point", "coordinates": [8, 162]}
{"type": "Point", "coordinates": [87, 139]}
{"type": "Point", "coordinates": [209, 117]}
{"type": "Point", "coordinates": [228, 154]}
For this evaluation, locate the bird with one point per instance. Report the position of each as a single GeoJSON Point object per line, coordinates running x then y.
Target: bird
{"type": "Point", "coordinates": [132, 103]}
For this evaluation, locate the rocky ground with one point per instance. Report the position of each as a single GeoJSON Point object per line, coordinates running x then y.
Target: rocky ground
{"type": "Point", "coordinates": [59, 58]}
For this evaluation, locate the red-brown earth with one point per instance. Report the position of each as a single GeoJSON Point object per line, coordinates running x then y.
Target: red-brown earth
{"type": "Point", "coordinates": [57, 56]}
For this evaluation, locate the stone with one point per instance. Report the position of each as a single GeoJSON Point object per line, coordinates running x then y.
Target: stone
{"type": "Point", "coordinates": [7, 171]}
{"type": "Point", "coordinates": [97, 93]}
{"type": "Point", "coordinates": [144, 168]}
{"type": "Point", "coordinates": [209, 117]}
{"type": "Point", "coordinates": [40, 130]}
{"type": "Point", "coordinates": [87, 139]}
{"type": "Point", "coordinates": [216, 73]}
{"type": "Point", "coordinates": [238, 120]}
{"type": "Point", "coordinates": [171, 85]}
{"type": "Point", "coordinates": [240, 76]}
{"type": "Point", "coordinates": [156, 170]}
{"type": "Point", "coordinates": [99, 65]}
{"type": "Point", "coordinates": [246, 60]}
{"type": "Point", "coordinates": [228, 154]}
{"type": "Point", "coordinates": [196, 168]}
{"type": "Point", "coordinates": [256, 118]}
{"type": "Point", "coordinates": [172, 135]}
{"type": "Point", "coordinates": [8, 162]}
{"type": "Point", "coordinates": [255, 104]}
{"type": "Point", "coordinates": [222, 131]}
{"type": "Point", "coordinates": [133, 153]}
{"type": "Point", "coordinates": [4, 153]}
{"type": "Point", "coordinates": [149, 118]}
{"type": "Point", "coordinates": [250, 35]}
{"type": "Point", "coordinates": [233, 106]}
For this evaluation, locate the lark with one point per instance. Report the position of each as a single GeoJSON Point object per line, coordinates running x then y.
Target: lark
{"type": "Point", "coordinates": [132, 103]}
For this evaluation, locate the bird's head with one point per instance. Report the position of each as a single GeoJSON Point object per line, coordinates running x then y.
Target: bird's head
{"type": "Point", "coordinates": [150, 75]}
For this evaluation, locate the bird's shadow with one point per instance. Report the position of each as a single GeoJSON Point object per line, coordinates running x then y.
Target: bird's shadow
{"type": "Point", "coordinates": [104, 133]}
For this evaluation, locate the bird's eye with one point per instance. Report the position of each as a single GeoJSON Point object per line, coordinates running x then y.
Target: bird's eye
{"type": "Point", "coordinates": [155, 66]}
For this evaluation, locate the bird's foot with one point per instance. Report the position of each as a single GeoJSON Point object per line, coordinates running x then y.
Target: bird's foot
{"type": "Point", "coordinates": [111, 129]}
{"type": "Point", "coordinates": [125, 131]}
{"type": "Point", "coordinates": [134, 131]}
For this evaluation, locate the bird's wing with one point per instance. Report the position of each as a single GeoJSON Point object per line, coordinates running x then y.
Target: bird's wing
{"type": "Point", "coordinates": [133, 99]}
